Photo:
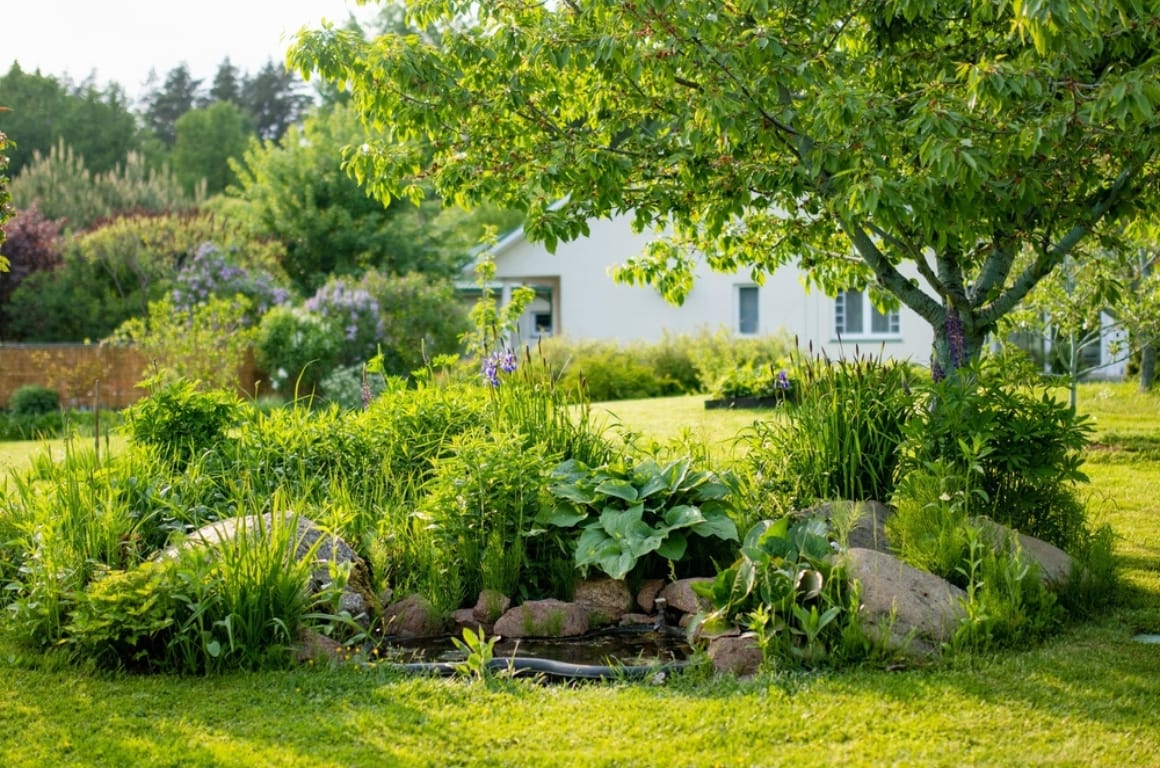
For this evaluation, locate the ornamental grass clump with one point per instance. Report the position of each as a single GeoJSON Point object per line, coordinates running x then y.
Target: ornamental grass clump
{"type": "Point", "coordinates": [840, 438]}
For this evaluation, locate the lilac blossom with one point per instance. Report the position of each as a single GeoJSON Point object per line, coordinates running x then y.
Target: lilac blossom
{"type": "Point", "coordinates": [208, 273]}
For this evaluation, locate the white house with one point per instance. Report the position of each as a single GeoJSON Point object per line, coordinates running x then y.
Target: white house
{"type": "Point", "coordinates": [577, 297]}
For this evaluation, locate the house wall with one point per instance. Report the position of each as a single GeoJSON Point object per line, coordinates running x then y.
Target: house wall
{"type": "Point", "coordinates": [590, 305]}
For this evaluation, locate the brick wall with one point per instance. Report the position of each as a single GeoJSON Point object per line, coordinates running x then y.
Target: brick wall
{"type": "Point", "coordinates": [76, 371]}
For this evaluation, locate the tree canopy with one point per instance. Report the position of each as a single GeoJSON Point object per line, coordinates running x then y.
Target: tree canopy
{"type": "Point", "coordinates": [44, 110]}
{"type": "Point", "coordinates": [297, 192]}
{"type": "Point", "coordinates": [916, 146]}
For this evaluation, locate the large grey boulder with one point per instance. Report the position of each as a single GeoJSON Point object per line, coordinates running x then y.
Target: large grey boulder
{"type": "Point", "coordinates": [860, 524]}
{"type": "Point", "coordinates": [906, 609]}
{"type": "Point", "coordinates": [543, 618]}
{"type": "Point", "coordinates": [1053, 564]}
{"type": "Point", "coordinates": [329, 552]}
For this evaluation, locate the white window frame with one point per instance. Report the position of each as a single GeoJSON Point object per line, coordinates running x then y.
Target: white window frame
{"type": "Point", "coordinates": [892, 318]}
{"type": "Point", "coordinates": [740, 321]}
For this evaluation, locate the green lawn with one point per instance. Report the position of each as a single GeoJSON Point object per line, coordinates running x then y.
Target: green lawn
{"type": "Point", "coordinates": [1089, 697]}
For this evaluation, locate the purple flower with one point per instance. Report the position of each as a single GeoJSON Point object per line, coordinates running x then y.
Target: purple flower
{"type": "Point", "coordinates": [782, 380]}
{"type": "Point", "coordinates": [508, 363]}
{"type": "Point", "coordinates": [490, 371]}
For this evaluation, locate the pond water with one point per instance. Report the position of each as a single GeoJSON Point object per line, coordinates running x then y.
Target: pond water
{"type": "Point", "coordinates": [617, 647]}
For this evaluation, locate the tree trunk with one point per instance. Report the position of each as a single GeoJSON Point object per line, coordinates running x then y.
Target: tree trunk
{"type": "Point", "coordinates": [1147, 366]}
{"type": "Point", "coordinates": [955, 344]}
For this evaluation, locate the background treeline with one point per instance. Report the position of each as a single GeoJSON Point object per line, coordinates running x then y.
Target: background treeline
{"type": "Point", "coordinates": [230, 190]}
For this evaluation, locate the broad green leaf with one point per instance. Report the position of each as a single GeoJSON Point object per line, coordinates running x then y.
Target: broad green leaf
{"type": "Point", "coordinates": [621, 489]}
{"type": "Point", "coordinates": [562, 516]}
{"type": "Point", "coordinates": [721, 527]}
{"type": "Point", "coordinates": [673, 547]}
{"type": "Point", "coordinates": [675, 474]}
{"type": "Point", "coordinates": [683, 516]}
{"type": "Point", "coordinates": [713, 490]}
{"type": "Point", "coordinates": [574, 492]}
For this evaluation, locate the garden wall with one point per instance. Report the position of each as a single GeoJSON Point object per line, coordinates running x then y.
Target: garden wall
{"type": "Point", "coordinates": [78, 371]}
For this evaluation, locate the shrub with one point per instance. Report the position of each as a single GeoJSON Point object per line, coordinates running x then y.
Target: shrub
{"type": "Point", "coordinates": [240, 607]}
{"type": "Point", "coordinates": [351, 387]}
{"type": "Point", "coordinates": [748, 380]}
{"type": "Point", "coordinates": [180, 421]}
{"type": "Point", "coordinates": [715, 355]}
{"type": "Point", "coordinates": [1028, 452]}
{"type": "Point", "coordinates": [207, 343]}
{"type": "Point", "coordinates": [354, 316]}
{"type": "Point", "coordinates": [47, 426]}
{"type": "Point", "coordinates": [33, 400]}
{"type": "Point", "coordinates": [296, 349]}
{"type": "Point", "coordinates": [481, 501]}
{"type": "Point", "coordinates": [641, 517]}
{"type": "Point", "coordinates": [210, 273]}
{"type": "Point", "coordinates": [422, 318]}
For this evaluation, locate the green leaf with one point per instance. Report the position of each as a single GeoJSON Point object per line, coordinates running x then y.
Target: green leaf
{"type": "Point", "coordinates": [674, 547]}
{"type": "Point", "coordinates": [721, 527]}
{"type": "Point", "coordinates": [562, 516]}
{"type": "Point", "coordinates": [676, 473]}
{"type": "Point", "coordinates": [621, 489]}
{"type": "Point", "coordinates": [683, 516]}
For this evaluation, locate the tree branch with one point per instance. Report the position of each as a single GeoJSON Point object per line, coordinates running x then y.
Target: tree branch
{"type": "Point", "coordinates": [890, 278]}
{"type": "Point", "coordinates": [1049, 258]}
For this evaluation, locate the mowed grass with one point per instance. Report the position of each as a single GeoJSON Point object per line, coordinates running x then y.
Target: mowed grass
{"type": "Point", "coordinates": [1088, 697]}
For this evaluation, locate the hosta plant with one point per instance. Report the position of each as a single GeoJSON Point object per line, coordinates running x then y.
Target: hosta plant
{"type": "Point", "coordinates": [629, 515]}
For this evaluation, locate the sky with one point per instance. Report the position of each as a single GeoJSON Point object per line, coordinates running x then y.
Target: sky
{"type": "Point", "coordinates": [121, 40]}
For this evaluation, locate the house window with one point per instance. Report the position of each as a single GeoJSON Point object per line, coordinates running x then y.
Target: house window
{"type": "Point", "coordinates": [747, 309]}
{"type": "Point", "coordinates": [855, 315]}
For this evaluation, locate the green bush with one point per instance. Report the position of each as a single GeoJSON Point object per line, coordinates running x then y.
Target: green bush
{"type": "Point", "coordinates": [296, 349]}
{"type": "Point", "coordinates": [1028, 452]}
{"type": "Point", "coordinates": [57, 424]}
{"type": "Point", "coordinates": [715, 355]}
{"type": "Point", "coordinates": [179, 420]}
{"type": "Point", "coordinates": [748, 380]}
{"type": "Point", "coordinates": [33, 400]}
{"type": "Point", "coordinates": [240, 607]}
{"type": "Point", "coordinates": [422, 318]}
{"type": "Point", "coordinates": [643, 518]}
{"type": "Point", "coordinates": [785, 589]}
{"type": "Point", "coordinates": [481, 502]}
{"type": "Point", "coordinates": [601, 371]}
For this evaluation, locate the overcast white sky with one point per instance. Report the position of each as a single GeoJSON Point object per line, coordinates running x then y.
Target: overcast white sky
{"type": "Point", "coordinates": [120, 40]}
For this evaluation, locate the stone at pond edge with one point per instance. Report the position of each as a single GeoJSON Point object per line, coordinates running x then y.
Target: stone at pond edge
{"type": "Point", "coordinates": [464, 618]}
{"type": "Point", "coordinates": [736, 655]}
{"type": "Point", "coordinates": [413, 616]}
{"type": "Point", "coordinates": [606, 600]}
{"type": "Point", "coordinates": [313, 646]}
{"type": "Point", "coordinates": [543, 618]}
{"type": "Point", "coordinates": [907, 609]}
{"type": "Point", "coordinates": [647, 594]}
{"type": "Point", "coordinates": [490, 605]}
{"type": "Point", "coordinates": [680, 595]}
